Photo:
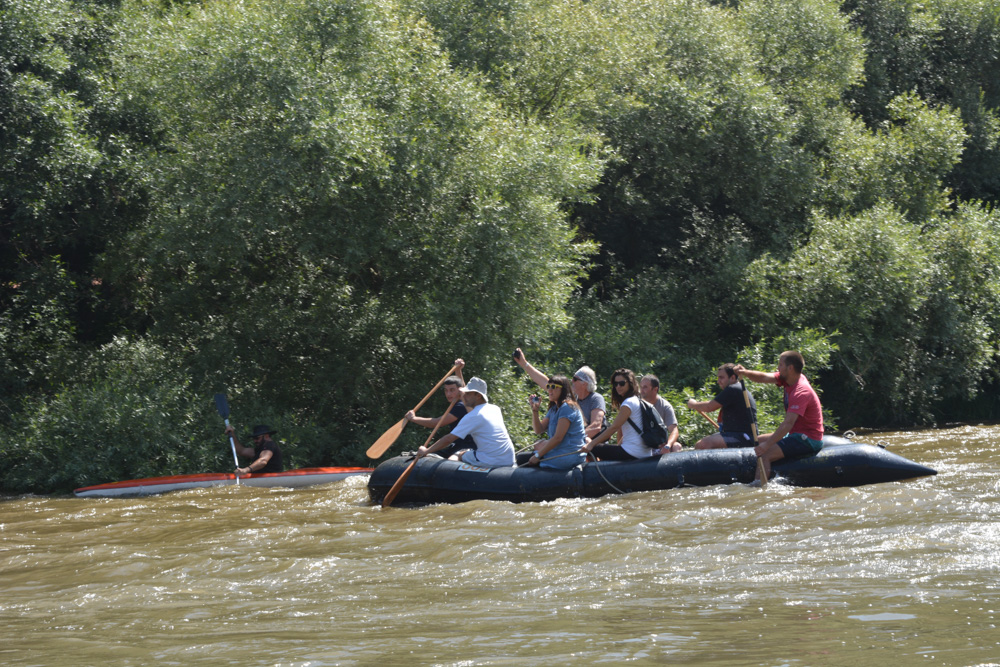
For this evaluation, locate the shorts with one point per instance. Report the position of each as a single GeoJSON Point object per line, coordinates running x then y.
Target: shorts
{"type": "Point", "coordinates": [469, 456]}
{"type": "Point", "coordinates": [736, 439]}
{"type": "Point", "coordinates": [797, 446]}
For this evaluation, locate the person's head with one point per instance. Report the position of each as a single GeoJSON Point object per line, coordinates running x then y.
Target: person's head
{"type": "Point", "coordinates": [584, 381]}
{"type": "Point", "coordinates": [453, 388]}
{"type": "Point", "coordinates": [726, 375]}
{"type": "Point", "coordinates": [649, 387]}
{"type": "Point", "coordinates": [261, 433]}
{"type": "Point", "coordinates": [790, 363]}
{"type": "Point", "coordinates": [623, 386]}
{"type": "Point", "coordinates": [474, 393]}
{"type": "Point", "coordinates": [559, 390]}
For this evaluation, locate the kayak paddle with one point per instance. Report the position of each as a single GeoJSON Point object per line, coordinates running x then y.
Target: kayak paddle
{"type": "Point", "coordinates": [222, 405]}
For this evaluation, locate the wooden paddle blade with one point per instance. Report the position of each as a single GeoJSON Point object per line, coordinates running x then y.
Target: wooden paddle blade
{"type": "Point", "coordinates": [394, 491]}
{"type": "Point", "coordinates": [761, 473]}
{"type": "Point", "coordinates": [222, 405]}
{"type": "Point", "coordinates": [386, 440]}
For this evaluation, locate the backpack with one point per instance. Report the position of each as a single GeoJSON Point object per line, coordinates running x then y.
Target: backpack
{"type": "Point", "coordinates": [653, 431]}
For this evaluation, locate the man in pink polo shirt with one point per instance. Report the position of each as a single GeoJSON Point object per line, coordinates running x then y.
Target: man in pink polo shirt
{"type": "Point", "coordinates": [801, 432]}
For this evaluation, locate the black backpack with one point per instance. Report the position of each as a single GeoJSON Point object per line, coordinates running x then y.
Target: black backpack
{"type": "Point", "coordinates": [653, 431]}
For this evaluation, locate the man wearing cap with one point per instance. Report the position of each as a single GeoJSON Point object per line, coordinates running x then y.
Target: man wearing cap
{"type": "Point", "coordinates": [591, 403]}
{"type": "Point", "coordinates": [484, 424]}
{"type": "Point", "coordinates": [265, 452]}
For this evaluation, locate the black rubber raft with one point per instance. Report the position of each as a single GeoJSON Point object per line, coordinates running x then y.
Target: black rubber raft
{"type": "Point", "coordinates": [436, 480]}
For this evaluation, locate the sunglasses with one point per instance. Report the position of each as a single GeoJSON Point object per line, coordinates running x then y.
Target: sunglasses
{"type": "Point", "coordinates": [620, 383]}
{"type": "Point", "coordinates": [552, 385]}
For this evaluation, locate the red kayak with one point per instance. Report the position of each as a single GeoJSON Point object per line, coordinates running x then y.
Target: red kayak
{"type": "Point", "coordinates": [154, 485]}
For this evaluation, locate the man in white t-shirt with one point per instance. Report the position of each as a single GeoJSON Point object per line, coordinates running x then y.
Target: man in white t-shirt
{"type": "Point", "coordinates": [484, 424]}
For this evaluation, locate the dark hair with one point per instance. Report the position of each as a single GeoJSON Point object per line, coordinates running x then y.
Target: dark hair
{"type": "Point", "coordinates": [454, 380]}
{"type": "Point", "coordinates": [566, 394]}
{"type": "Point", "coordinates": [729, 368]}
{"type": "Point", "coordinates": [654, 381]}
{"type": "Point", "coordinates": [794, 359]}
{"type": "Point", "coordinates": [616, 399]}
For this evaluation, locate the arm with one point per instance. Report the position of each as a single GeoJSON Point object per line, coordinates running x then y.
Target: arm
{"type": "Point", "coordinates": [596, 419]}
{"type": "Point", "coordinates": [240, 449]}
{"type": "Point", "coordinates": [673, 432]}
{"type": "Point", "coordinates": [623, 414]}
{"type": "Point", "coordinates": [755, 376]}
{"type": "Point", "coordinates": [430, 422]}
{"type": "Point", "coordinates": [442, 442]}
{"type": "Point", "coordinates": [542, 447]}
{"type": "Point", "coordinates": [460, 364]}
{"type": "Point", "coordinates": [703, 406]}
{"type": "Point", "coordinates": [781, 431]}
{"type": "Point", "coordinates": [540, 425]}
{"type": "Point", "coordinates": [540, 378]}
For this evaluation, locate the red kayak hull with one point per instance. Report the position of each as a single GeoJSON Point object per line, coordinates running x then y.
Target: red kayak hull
{"type": "Point", "coordinates": [153, 485]}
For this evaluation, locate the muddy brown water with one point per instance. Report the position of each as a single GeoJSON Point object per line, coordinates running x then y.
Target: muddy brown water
{"type": "Point", "coordinates": [892, 574]}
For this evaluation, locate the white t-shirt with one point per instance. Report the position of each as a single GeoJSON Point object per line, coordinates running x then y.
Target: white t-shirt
{"type": "Point", "coordinates": [631, 438]}
{"type": "Point", "coordinates": [493, 444]}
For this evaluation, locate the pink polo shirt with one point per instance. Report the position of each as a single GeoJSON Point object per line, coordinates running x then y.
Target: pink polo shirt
{"type": "Point", "coordinates": [802, 399]}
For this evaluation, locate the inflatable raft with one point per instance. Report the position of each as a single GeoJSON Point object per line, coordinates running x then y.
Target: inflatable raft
{"type": "Point", "coordinates": [436, 480]}
{"type": "Point", "coordinates": [153, 485]}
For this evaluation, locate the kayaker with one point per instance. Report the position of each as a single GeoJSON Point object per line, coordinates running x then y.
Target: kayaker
{"type": "Point", "coordinates": [452, 390]}
{"type": "Point", "coordinates": [484, 424]}
{"type": "Point", "coordinates": [584, 385]}
{"type": "Point", "coordinates": [735, 420]}
{"type": "Point", "coordinates": [649, 390]}
{"type": "Point", "coordinates": [265, 453]}
{"type": "Point", "coordinates": [801, 432]}
{"type": "Point", "coordinates": [626, 400]}
{"type": "Point", "coordinates": [563, 423]}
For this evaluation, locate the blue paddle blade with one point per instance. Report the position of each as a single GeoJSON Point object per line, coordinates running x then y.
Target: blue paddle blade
{"type": "Point", "coordinates": [222, 405]}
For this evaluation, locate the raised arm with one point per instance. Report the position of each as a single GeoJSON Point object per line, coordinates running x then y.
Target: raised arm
{"type": "Point", "coordinates": [540, 378]}
{"type": "Point", "coordinates": [755, 376]}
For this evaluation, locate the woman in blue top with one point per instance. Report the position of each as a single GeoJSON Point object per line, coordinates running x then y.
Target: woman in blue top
{"type": "Point", "coordinates": [564, 424]}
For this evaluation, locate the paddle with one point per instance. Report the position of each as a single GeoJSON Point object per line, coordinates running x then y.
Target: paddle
{"type": "Point", "coordinates": [390, 436]}
{"type": "Point", "coordinates": [753, 429]}
{"type": "Point", "coordinates": [710, 420]}
{"type": "Point", "coordinates": [389, 497]}
{"type": "Point", "coordinates": [222, 405]}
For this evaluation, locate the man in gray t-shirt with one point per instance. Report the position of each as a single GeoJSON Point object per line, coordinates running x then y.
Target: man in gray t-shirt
{"type": "Point", "coordinates": [649, 389]}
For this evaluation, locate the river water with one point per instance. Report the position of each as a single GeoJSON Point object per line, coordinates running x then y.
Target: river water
{"type": "Point", "coordinates": [891, 574]}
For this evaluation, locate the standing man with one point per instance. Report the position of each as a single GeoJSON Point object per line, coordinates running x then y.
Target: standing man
{"type": "Point", "coordinates": [592, 404]}
{"type": "Point", "coordinates": [649, 390]}
{"type": "Point", "coordinates": [265, 453]}
{"type": "Point", "coordinates": [801, 432]}
{"type": "Point", "coordinates": [735, 419]}
{"type": "Point", "coordinates": [452, 391]}
{"type": "Point", "coordinates": [484, 423]}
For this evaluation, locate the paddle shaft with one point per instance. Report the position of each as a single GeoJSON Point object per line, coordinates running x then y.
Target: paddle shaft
{"type": "Point", "coordinates": [761, 470]}
{"type": "Point", "coordinates": [392, 434]}
{"type": "Point", "coordinates": [710, 420]}
{"type": "Point", "coordinates": [394, 491]}
{"type": "Point", "coordinates": [222, 405]}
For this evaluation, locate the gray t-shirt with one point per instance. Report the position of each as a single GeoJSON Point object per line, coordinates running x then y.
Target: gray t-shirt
{"type": "Point", "coordinates": [594, 401]}
{"type": "Point", "coordinates": [666, 411]}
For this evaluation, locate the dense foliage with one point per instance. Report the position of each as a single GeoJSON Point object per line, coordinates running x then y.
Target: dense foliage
{"type": "Point", "coordinates": [316, 205]}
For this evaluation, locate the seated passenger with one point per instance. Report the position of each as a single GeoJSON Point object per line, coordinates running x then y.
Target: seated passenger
{"type": "Point", "coordinates": [484, 423]}
{"type": "Point", "coordinates": [735, 420]}
{"type": "Point", "coordinates": [649, 389]}
{"type": "Point", "coordinates": [452, 391]}
{"type": "Point", "coordinates": [564, 424]}
{"type": "Point", "coordinates": [592, 405]}
{"type": "Point", "coordinates": [628, 421]}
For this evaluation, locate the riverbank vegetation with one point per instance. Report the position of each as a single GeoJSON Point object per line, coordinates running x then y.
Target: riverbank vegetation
{"type": "Point", "coordinates": [316, 205]}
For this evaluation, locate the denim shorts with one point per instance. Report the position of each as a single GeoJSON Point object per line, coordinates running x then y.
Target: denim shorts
{"type": "Point", "coordinates": [736, 439]}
